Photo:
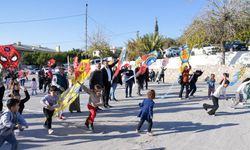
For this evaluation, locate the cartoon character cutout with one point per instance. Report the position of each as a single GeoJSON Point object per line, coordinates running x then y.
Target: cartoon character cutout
{"type": "Point", "coordinates": [9, 57]}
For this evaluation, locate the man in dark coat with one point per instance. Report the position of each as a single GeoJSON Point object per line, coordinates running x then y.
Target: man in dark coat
{"type": "Point", "coordinates": [193, 79]}
{"type": "Point", "coordinates": [107, 75]}
{"type": "Point", "coordinates": [96, 77]}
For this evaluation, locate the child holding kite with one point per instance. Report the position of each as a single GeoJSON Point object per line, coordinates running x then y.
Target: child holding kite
{"type": "Point", "coordinates": [50, 102]}
{"type": "Point", "coordinates": [146, 112]}
{"type": "Point", "coordinates": [95, 100]}
{"type": "Point", "coordinates": [215, 97]}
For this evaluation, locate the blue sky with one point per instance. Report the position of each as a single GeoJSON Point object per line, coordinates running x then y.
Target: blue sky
{"type": "Point", "coordinates": [117, 19]}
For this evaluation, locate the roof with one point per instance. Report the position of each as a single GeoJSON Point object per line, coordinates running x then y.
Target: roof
{"type": "Point", "coordinates": [30, 48]}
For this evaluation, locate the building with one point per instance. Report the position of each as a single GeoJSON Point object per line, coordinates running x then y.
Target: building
{"type": "Point", "coordinates": [29, 48]}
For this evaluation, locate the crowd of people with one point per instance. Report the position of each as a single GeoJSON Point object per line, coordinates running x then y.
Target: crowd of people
{"type": "Point", "coordinates": [103, 83]}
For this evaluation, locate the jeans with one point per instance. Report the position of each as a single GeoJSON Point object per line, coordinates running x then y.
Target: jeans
{"type": "Point", "coordinates": [182, 88]}
{"type": "Point", "coordinates": [11, 139]}
{"type": "Point", "coordinates": [129, 87]}
{"type": "Point", "coordinates": [92, 114]}
{"type": "Point", "coordinates": [112, 91]}
{"type": "Point", "coordinates": [150, 124]}
{"type": "Point", "coordinates": [2, 89]}
{"type": "Point", "coordinates": [213, 107]}
{"type": "Point", "coordinates": [192, 88]}
{"type": "Point", "coordinates": [48, 114]}
{"type": "Point", "coordinates": [47, 84]}
{"type": "Point", "coordinates": [34, 92]}
{"type": "Point", "coordinates": [22, 82]}
{"type": "Point", "coordinates": [140, 87]}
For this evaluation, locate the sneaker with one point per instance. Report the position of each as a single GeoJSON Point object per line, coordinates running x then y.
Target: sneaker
{"type": "Point", "coordinates": [62, 118]}
{"type": "Point", "coordinates": [150, 133]}
{"type": "Point", "coordinates": [138, 131]}
{"type": "Point", "coordinates": [50, 131]}
{"type": "Point", "coordinates": [204, 107]}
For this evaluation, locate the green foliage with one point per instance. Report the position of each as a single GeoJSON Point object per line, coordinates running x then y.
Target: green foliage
{"type": "Point", "coordinates": [41, 58]}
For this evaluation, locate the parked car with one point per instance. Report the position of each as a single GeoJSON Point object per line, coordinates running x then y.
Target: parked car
{"type": "Point", "coordinates": [235, 46]}
{"type": "Point", "coordinates": [208, 49]}
{"type": "Point", "coordinates": [172, 52]}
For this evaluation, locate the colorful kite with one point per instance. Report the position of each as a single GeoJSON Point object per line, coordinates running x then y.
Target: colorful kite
{"type": "Point", "coordinates": [51, 62]}
{"type": "Point", "coordinates": [9, 57]}
{"type": "Point", "coordinates": [238, 75]}
{"type": "Point", "coordinates": [164, 62]}
{"type": "Point", "coordinates": [120, 62]}
{"type": "Point", "coordinates": [185, 54]}
{"type": "Point", "coordinates": [69, 96]}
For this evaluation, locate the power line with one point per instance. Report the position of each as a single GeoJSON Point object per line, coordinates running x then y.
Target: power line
{"type": "Point", "coordinates": [91, 18]}
{"type": "Point", "coordinates": [40, 20]}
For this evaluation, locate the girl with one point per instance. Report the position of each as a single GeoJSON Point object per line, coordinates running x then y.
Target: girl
{"type": "Point", "coordinates": [146, 112]}
{"type": "Point", "coordinates": [49, 103]}
{"type": "Point", "coordinates": [185, 81]}
{"type": "Point", "coordinates": [211, 85]}
{"type": "Point", "coordinates": [224, 92]}
{"type": "Point", "coordinates": [240, 92]}
{"type": "Point", "coordinates": [34, 86]}
{"type": "Point", "coordinates": [15, 94]}
{"type": "Point", "coordinates": [94, 101]}
{"type": "Point", "coordinates": [116, 80]}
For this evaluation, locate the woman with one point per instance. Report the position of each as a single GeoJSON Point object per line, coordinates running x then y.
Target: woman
{"type": "Point", "coordinates": [76, 104]}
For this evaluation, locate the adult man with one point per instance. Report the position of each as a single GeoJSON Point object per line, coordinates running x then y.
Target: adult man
{"type": "Point", "coordinates": [96, 77]}
{"type": "Point", "coordinates": [60, 80]}
{"type": "Point", "coordinates": [41, 78]}
{"type": "Point", "coordinates": [139, 78]}
{"type": "Point", "coordinates": [129, 81]}
{"type": "Point", "coordinates": [107, 75]}
{"type": "Point", "coordinates": [2, 90]}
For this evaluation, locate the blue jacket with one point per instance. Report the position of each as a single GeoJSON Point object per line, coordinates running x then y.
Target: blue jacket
{"type": "Point", "coordinates": [146, 106]}
{"type": "Point", "coordinates": [8, 122]}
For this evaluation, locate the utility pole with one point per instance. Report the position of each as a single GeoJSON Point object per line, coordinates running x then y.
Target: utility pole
{"type": "Point", "coordinates": [86, 28]}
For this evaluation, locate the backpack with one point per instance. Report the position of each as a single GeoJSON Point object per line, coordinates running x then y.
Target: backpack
{"type": "Point", "coordinates": [180, 78]}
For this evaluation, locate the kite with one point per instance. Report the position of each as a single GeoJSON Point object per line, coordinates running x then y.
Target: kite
{"type": "Point", "coordinates": [185, 54]}
{"type": "Point", "coordinates": [238, 75]}
{"type": "Point", "coordinates": [9, 57]}
{"type": "Point", "coordinates": [51, 62]}
{"type": "Point", "coordinates": [120, 62]}
{"type": "Point", "coordinates": [164, 62]}
{"type": "Point", "coordinates": [69, 96]}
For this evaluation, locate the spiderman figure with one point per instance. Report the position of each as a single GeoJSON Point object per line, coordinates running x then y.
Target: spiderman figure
{"type": "Point", "coordinates": [9, 57]}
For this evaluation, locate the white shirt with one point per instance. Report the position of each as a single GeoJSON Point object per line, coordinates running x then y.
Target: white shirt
{"type": "Point", "coordinates": [219, 89]}
{"type": "Point", "coordinates": [109, 74]}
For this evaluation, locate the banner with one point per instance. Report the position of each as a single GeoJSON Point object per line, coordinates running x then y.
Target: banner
{"type": "Point", "coordinates": [69, 96]}
{"type": "Point", "coordinates": [9, 57]}
{"type": "Point", "coordinates": [238, 75]}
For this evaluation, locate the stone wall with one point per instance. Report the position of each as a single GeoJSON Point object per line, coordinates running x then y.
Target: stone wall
{"type": "Point", "coordinates": [171, 75]}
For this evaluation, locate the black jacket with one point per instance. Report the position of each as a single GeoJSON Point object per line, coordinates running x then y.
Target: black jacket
{"type": "Point", "coordinates": [195, 77]}
{"type": "Point", "coordinates": [118, 79]}
{"type": "Point", "coordinates": [105, 74]}
{"type": "Point", "coordinates": [139, 78]}
{"type": "Point", "coordinates": [95, 78]}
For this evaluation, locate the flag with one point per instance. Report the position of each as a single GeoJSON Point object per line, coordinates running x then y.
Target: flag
{"type": "Point", "coordinates": [238, 75]}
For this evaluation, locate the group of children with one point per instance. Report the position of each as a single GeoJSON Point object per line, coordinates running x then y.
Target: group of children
{"type": "Point", "coordinates": [11, 119]}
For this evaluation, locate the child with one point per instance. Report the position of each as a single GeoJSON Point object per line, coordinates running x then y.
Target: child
{"type": "Point", "coordinates": [211, 85]}
{"type": "Point", "coordinates": [224, 92]}
{"type": "Point", "coordinates": [240, 90]}
{"type": "Point", "coordinates": [11, 120]}
{"type": "Point", "coordinates": [16, 95]}
{"type": "Point", "coordinates": [34, 86]}
{"type": "Point", "coordinates": [94, 101]}
{"type": "Point", "coordinates": [50, 103]}
{"type": "Point", "coordinates": [146, 112]}
{"type": "Point", "coordinates": [215, 97]}
{"type": "Point", "coordinates": [193, 81]}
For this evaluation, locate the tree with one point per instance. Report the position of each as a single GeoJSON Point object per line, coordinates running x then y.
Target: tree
{"type": "Point", "coordinates": [224, 20]}
{"type": "Point", "coordinates": [98, 42]}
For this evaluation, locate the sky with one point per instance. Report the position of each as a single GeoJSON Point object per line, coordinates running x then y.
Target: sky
{"type": "Point", "coordinates": [118, 20]}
